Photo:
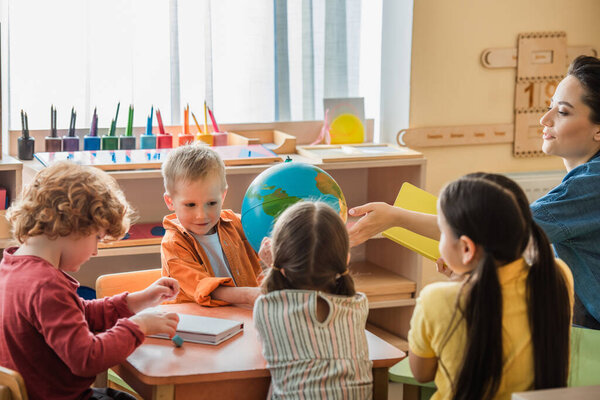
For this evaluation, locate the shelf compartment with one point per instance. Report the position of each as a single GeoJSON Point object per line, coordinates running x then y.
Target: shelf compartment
{"type": "Point", "coordinates": [389, 337]}
{"type": "Point", "coordinates": [381, 286]}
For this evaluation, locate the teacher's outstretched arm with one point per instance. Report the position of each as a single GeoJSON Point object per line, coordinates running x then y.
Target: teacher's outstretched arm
{"type": "Point", "coordinates": [377, 217]}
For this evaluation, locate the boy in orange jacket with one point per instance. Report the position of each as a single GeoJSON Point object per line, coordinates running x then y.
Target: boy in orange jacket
{"type": "Point", "coordinates": [204, 247]}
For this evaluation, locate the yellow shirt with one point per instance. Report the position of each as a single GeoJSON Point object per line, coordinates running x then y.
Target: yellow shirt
{"type": "Point", "coordinates": [433, 315]}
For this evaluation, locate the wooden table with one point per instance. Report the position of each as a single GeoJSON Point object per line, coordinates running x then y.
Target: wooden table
{"type": "Point", "coordinates": [235, 369]}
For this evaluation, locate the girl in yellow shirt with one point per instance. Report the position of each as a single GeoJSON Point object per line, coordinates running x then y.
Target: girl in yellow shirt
{"type": "Point", "coordinates": [505, 327]}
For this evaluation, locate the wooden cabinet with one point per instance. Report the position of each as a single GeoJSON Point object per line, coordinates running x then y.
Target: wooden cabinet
{"type": "Point", "coordinates": [10, 179]}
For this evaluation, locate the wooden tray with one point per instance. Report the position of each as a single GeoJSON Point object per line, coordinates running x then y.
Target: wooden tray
{"type": "Point", "coordinates": [152, 159]}
{"type": "Point", "coordinates": [277, 141]}
{"type": "Point", "coordinates": [356, 152]}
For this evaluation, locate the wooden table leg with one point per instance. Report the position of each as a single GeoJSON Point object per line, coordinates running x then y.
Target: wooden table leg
{"type": "Point", "coordinates": [380, 383]}
{"type": "Point", "coordinates": [163, 392]}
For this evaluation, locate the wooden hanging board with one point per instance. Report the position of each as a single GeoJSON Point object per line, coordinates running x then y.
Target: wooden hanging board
{"type": "Point", "coordinates": [541, 64]}
{"type": "Point", "coordinates": [356, 152]}
{"type": "Point", "coordinates": [541, 59]}
{"type": "Point", "coordinates": [456, 135]}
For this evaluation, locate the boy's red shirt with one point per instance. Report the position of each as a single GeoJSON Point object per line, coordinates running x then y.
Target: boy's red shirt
{"type": "Point", "coordinates": [48, 333]}
{"type": "Point", "coordinates": [184, 259]}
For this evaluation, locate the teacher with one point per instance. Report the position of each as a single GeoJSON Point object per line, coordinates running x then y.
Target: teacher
{"type": "Point", "coordinates": [569, 213]}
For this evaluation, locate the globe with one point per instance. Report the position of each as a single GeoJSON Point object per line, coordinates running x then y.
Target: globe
{"type": "Point", "coordinates": [280, 186]}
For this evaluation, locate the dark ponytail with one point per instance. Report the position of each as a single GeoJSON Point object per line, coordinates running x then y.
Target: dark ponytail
{"type": "Point", "coordinates": [504, 235]}
{"type": "Point", "coordinates": [483, 358]}
{"type": "Point", "coordinates": [549, 311]}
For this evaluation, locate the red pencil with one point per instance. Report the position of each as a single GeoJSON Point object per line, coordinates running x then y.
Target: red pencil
{"type": "Point", "coordinates": [161, 127]}
{"type": "Point", "coordinates": [212, 118]}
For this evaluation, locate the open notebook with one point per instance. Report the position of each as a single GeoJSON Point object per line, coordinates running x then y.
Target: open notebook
{"type": "Point", "coordinates": [412, 198]}
{"type": "Point", "coordinates": [206, 330]}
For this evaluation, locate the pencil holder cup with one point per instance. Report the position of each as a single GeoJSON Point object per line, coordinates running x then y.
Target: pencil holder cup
{"type": "Point", "coordinates": [208, 139]}
{"type": "Point", "coordinates": [70, 143]}
{"type": "Point", "coordinates": [110, 142]}
{"type": "Point", "coordinates": [53, 144]}
{"type": "Point", "coordinates": [127, 142]}
{"type": "Point", "coordinates": [91, 143]}
{"type": "Point", "coordinates": [184, 139]}
{"type": "Point", "coordinates": [25, 148]}
{"type": "Point", "coordinates": [164, 141]}
{"type": "Point", "coordinates": [147, 141]}
{"type": "Point", "coordinates": [219, 138]}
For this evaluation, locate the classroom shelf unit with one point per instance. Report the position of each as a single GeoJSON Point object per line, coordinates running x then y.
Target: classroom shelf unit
{"type": "Point", "coordinates": [388, 273]}
{"type": "Point", "coordinates": [10, 179]}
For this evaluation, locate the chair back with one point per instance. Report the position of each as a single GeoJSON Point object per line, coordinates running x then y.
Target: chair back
{"type": "Point", "coordinates": [14, 382]}
{"type": "Point", "coordinates": [111, 284]}
{"type": "Point", "coordinates": [585, 357]}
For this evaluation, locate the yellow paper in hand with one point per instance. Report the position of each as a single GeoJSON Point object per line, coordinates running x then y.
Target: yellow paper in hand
{"type": "Point", "coordinates": [415, 199]}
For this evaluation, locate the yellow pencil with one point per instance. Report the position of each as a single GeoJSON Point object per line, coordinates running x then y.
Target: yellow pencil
{"type": "Point", "coordinates": [205, 120]}
{"type": "Point", "coordinates": [197, 124]}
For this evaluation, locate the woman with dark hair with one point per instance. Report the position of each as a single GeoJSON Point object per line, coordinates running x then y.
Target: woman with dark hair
{"type": "Point", "coordinates": [487, 337]}
{"type": "Point", "coordinates": [570, 213]}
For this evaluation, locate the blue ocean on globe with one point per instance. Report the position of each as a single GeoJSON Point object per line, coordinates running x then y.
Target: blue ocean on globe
{"type": "Point", "coordinates": [280, 186]}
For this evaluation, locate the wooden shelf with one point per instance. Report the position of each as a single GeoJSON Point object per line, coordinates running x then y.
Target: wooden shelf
{"type": "Point", "coordinates": [129, 251]}
{"type": "Point", "coordinates": [382, 287]}
{"type": "Point", "coordinates": [389, 337]}
{"type": "Point", "coordinates": [6, 243]}
{"type": "Point", "coordinates": [352, 220]}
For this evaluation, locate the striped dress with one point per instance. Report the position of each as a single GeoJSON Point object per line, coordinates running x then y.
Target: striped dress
{"type": "Point", "coordinates": [309, 359]}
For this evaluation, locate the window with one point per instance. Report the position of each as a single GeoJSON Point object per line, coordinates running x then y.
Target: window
{"type": "Point", "coordinates": [255, 61]}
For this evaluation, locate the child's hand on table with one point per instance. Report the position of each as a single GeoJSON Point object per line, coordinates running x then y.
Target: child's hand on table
{"type": "Point", "coordinates": [152, 323]}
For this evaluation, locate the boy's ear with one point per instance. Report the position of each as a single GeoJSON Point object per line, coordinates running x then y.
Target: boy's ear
{"type": "Point", "coordinates": [468, 249]}
{"type": "Point", "coordinates": [168, 201]}
{"type": "Point", "coordinates": [224, 193]}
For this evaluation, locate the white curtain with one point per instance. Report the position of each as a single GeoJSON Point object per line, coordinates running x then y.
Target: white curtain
{"type": "Point", "coordinates": [252, 61]}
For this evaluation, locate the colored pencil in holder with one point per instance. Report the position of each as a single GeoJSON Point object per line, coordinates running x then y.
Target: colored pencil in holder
{"type": "Point", "coordinates": [91, 141]}
{"type": "Point", "coordinates": [127, 141]}
{"type": "Point", "coordinates": [164, 140]}
{"type": "Point", "coordinates": [110, 141]}
{"type": "Point", "coordinates": [185, 137]}
{"type": "Point", "coordinates": [53, 143]}
{"type": "Point", "coordinates": [148, 140]}
{"type": "Point", "coordinates": [25, 144]}
{"type": "Point", "coordinates": [71, 141]}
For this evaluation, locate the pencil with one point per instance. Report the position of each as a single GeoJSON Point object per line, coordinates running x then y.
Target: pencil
{"type": "Point", "coordinates": [129, 130]}
{"type": "Point", "coordinates": [161, 127]}
{"type": "Point", "coordinates": [212, 118]}
{"type": "Point", "coordinates": [197, 124]}
{"type": "Point", "coordinates": [186, 120]}
{"type": "Point", "coordinates": [205, 122]}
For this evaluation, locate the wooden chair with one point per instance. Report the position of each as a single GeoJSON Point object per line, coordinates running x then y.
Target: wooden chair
{"type": "Point", "coordinates": [111, 284]}
{"type": "Point", "coordinates": [585, 364]}
{"type": "Point", "coordinates": [585, 357]}
{"type": "Point", "coordinates": [12, 386]}
{"type": "Point", "coordinates": [411, 388]}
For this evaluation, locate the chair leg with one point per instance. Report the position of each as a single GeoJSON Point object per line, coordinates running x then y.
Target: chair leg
{"type": "Point", "coordinates": [411, 392]}
{"type": "Point", "coordinates": [101, 380]}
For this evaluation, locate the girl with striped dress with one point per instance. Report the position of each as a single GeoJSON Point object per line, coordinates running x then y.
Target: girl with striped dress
{"type": "Point", "coordinates": [310, 320]}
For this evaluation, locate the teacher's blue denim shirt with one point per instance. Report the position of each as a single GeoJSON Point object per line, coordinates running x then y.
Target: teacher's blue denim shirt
{"type": "Point", "coordinates": [570, 216]}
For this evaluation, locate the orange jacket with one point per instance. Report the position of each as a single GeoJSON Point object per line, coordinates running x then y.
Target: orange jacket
{"type": "Point", "coordinates": [184, 259]}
